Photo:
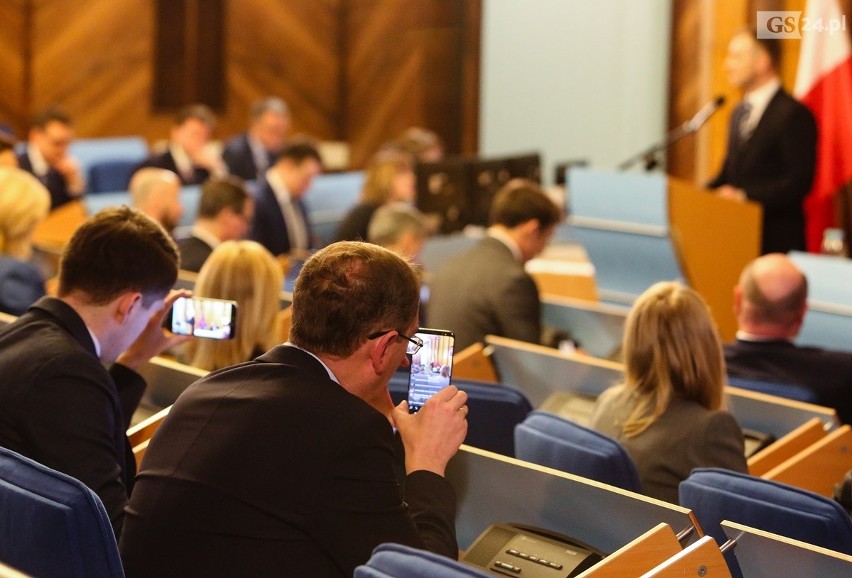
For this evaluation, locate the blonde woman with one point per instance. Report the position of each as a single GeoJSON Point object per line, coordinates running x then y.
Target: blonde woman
{"type": "Point", "coordinates": [245, 272]}
{"type": "Point", "coordinates": [389, 179]}
{"type": "Point", "coordinates": [24, 203]}
{"type": "Point", "coordinates": [669, 412]}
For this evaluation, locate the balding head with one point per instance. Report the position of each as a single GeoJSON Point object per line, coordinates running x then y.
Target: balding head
{"type": "Point", "coordinates": [771, 297]}
{"type": "Point", "coordinates": [156, 192]}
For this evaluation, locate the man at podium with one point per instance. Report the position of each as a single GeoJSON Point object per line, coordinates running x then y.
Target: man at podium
{"type": "Point", "coordinates": [772, 138]}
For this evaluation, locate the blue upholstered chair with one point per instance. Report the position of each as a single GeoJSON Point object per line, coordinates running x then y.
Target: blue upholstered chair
{"type": "Point", "coordinates": [397, 561]}
{"type": "Point", "coordinates": [550, 440]}
{"type": "Point", "coordinates": [716, 494]}
{"type": "Point", "coordinates": [110, 175]}
{"type": "Point", "coordinates": [796, 392]}
{"type": "Point", "coordinates": [494, 410]}
{"type": "Point", "coordinates": [51, 524]}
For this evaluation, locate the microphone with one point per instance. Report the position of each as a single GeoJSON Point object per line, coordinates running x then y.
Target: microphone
{"type": "Point", "coordinates": [697, 121]}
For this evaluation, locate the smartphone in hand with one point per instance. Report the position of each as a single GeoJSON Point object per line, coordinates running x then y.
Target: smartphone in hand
{"type": "Point", "coordinates": [202, 317]}
{"type": "Point", "coordinates": [431, 367]}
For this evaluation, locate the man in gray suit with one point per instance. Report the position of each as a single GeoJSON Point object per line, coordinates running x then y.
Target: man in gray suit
{"type": "Point", "coordinates": [486, 289]}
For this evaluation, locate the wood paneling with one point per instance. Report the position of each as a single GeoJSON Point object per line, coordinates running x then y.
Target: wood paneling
{"type": "Point", "coordinates": [13, 55]}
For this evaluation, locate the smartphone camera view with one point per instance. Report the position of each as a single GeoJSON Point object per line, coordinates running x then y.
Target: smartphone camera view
{"type": "Point", "coordinates": [201, 317]}
{"type": "Point", "coordinates": [431, 367]}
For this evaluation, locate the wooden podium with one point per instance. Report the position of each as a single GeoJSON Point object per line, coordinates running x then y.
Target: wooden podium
{"type": "Point", "coordinates": [642, 228]}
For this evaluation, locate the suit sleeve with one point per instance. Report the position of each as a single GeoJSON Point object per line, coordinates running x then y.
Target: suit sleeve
{"type": "Point", "coordinates": [131, 387]}
{"type": "Point", "coordinates": [790, 186]}
{"type": "Point", "coordinates": [724, 444]}
{"type": "Point", "coordinates": [519, 310]}
{"type": "Point", "coordinates": [78, 437]}
{"type": "Point", "coordinates": [364, 506]}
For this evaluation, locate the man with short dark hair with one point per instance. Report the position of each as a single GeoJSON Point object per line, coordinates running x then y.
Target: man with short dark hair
{"type": "Point", "coordinates": [772, 139]}
{"type": "Point", "coordinates": [770, 302]}
{"type": "Point", "coordinates": [188, 154]}
{"type": "Point", "coordinates": [59, 405]}
{"type": "Point", "coordinates": [251, 153]}
{"type": "Point", "coordinates": [486, 290]}
{"type": "Point", "coordinates": [285, 464]}
{"type": "Point", "coordinates": [225, 213]}
{"type": "Point", "coordinates": [47, 156]}
{"type": "Point", "coordinates": [281, 220]}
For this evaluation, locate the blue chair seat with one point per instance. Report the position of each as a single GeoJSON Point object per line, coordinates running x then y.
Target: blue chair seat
{"type": "Point", "coordinates": [790, 391]}
{"type": "Point", "coordinates": [397, 561]}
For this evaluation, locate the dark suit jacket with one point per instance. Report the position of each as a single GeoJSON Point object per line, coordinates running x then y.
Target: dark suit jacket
{"type": "Point", "coordinates": [271, 468]}
{"type": "Point", "coordinates": [775, 167]}
{"type": "Point", "coordinates": [686, 436]}
{"type": "Point", "coordinates": [485, 291]}
{"type": "Point", "coordinates": [165, 160]}
{"type": "Point", "coordinates": [354, 225]}
{"type": "Point", "coordinates": [193, 253]}
{"type": "Point", "coordinates": [21, 285]}
{"type": "Point", "coordinates": [238, 156]}
{"type": "Point", "coordinates": [828, 373]}
{"type": "Point", "coordinates": [269, 228]}
{"type": "Point", "coordinates": [60, 406]}
{"type": "Point", "coordinates": [52, 180]}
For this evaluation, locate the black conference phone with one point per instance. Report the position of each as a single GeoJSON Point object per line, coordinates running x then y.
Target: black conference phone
{"type": "Point", "coordinates": [517, 550]}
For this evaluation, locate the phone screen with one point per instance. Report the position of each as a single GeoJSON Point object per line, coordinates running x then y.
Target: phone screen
{"type": "Point", "coordinates": [203, 317]}
{"type": "Point", "coordinates": [431, 367]}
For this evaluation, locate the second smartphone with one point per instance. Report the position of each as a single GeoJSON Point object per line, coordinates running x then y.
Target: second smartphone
{"type": "Point", "coordinates": [203, 317]}
{"type": "Point", "coordinates": [431, 367]}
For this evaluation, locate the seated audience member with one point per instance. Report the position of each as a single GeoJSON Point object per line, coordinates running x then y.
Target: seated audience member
{"type": "Point", "coordinates": [59, 405]}
{"type": "Point", "coordinates": [156, 192]}
{"type": "Point", "coordinates": [486, 290]}
{"type": "Point", "coordinates": [280, 219]}
{"type": "Point", "coordinates": [24, 203]}
{"type": "Point", "coordinates": [225, 213]}
{"type": "Point", "coordinates": [188, 154]}
{"type": "Point", "coordinates": [400, 228]}
{"type": "Point", "coordinates": [668, 413]}
{"type": "Point", "coordinates": [423, 144]}
{"type": "Point", "coordinates": [47, 156]}
{"type": "Point", "coordinates": [8, 158]}
{"type": "Point", "coordinates": [389, 179]}
{"type": "Point", "coordinates": [251, 153]}
{"type": "Point", "coordinates": [770, 303]}
{"type": "Point", "coordinates": [245, 272]}
{"type": "Point", "coordinates": [286, 463]}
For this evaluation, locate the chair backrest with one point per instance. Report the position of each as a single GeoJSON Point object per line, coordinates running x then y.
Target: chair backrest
{"type": "Point", "coordinates": [397, 561]}
{"type": "Point", "coordinates": [110, 175]}
{"type": "Point", "coordinates": [52, 524]}
{"type": "Point", "coordinates": [494, 410]}
{"type": "Point", "coordinates": [329, 199]}
{"type": "Point", "coordinates": [550, 440]}
{"type": "Point", "coordinates": [716, 494]}
{"type": "Point", "coordinates": [787, 390]}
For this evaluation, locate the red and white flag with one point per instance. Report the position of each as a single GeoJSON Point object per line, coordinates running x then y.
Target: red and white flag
{"type": "Point", "coordinates": [824, 85]}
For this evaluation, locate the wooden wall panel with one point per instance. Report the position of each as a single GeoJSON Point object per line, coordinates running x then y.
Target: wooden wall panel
{"type": "Point", "coordinates": [13, 56]}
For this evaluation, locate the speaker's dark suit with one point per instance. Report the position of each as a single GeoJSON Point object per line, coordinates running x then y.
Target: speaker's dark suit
{"type": "Point", "coordinates": [193, 253]}
{"type": "Point", "coordinates": [270, 468]}
{"type": "Point", "coordinates": [60, 406]}
{"type": "Point", "coordinates": [165, 160]}
{"type": "Point", "coordinates": [775, 166]}
{"type": "Point", "coordinates": [485, 291]}
{"type": "Point", "coordinates": [52, 180]}
{"type": "Point", "coordinates": [238, 155]}
{"type": "Point", "coordinates": [828, 373]}
{"type": "Point", "coordinates": [269, 227]}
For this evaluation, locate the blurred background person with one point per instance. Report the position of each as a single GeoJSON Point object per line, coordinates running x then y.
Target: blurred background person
{"type": "Point", "coordinates": [389, 179]}
{"type": "Point", "coordinates": [250, 154]}
{"type": "Point", "coordinates": [8, 158]}
{"type": "Point", "coordinates": [156, 192]}
{"type": "Point", "coordinates": [24, 203]}
{"type": "Point", "coordinates": [423, 144]}
{"type": "Point", "coordinates": [668, 413]}
{"type": "Point", "coordinates": [225, 213]}
{"type": "Point", "coordinates": [400, 228]}
{"type": "Point", "coordinates": [245, 272]}
{"type": "Point", "coordinates": [47, 156]}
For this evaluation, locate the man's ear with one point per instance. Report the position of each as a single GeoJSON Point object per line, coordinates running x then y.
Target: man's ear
{"type": "Point", "coordinates": [125, 303]}
{"type": "Point", "coordinates": [738, 300]}
{"type": "Point", "coordinates": [381, 353]}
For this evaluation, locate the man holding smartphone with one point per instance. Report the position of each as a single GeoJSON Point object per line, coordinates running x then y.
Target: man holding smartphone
{"type": "Point", "coordinates": [285, 464]}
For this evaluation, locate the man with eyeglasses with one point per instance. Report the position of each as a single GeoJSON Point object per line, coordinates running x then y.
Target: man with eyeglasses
{"type": "Point", "coordinates": [284, 465]}
{"type": "Point", "coordinates": [47, 156]}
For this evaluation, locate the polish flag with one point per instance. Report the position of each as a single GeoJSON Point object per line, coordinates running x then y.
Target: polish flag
{"type": "Point", "coordinates": [824, 85]}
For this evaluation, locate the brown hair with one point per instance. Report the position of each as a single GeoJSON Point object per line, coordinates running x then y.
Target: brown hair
{"type": "Point", "coordinates": [671, 350]}
{"type": "Point", "coordinates": [384, 166]}
{"type": "Point", "coordinates": [218, 194]}
{"type": "Point", "coordinates": [521, 200]}
{"type": "Point", "coordinates": [349, 290]}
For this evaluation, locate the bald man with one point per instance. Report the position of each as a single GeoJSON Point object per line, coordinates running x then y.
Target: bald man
{"type": "Point", "coordinates": [772, 139]}
{"type": "Point", "coordinates": [770, 302]}
{"type": "Point", "coordinates": [156, 192]}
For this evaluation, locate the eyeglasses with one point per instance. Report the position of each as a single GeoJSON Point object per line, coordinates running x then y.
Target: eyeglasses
{"type": "Point", "coordinates": [414, 343]}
